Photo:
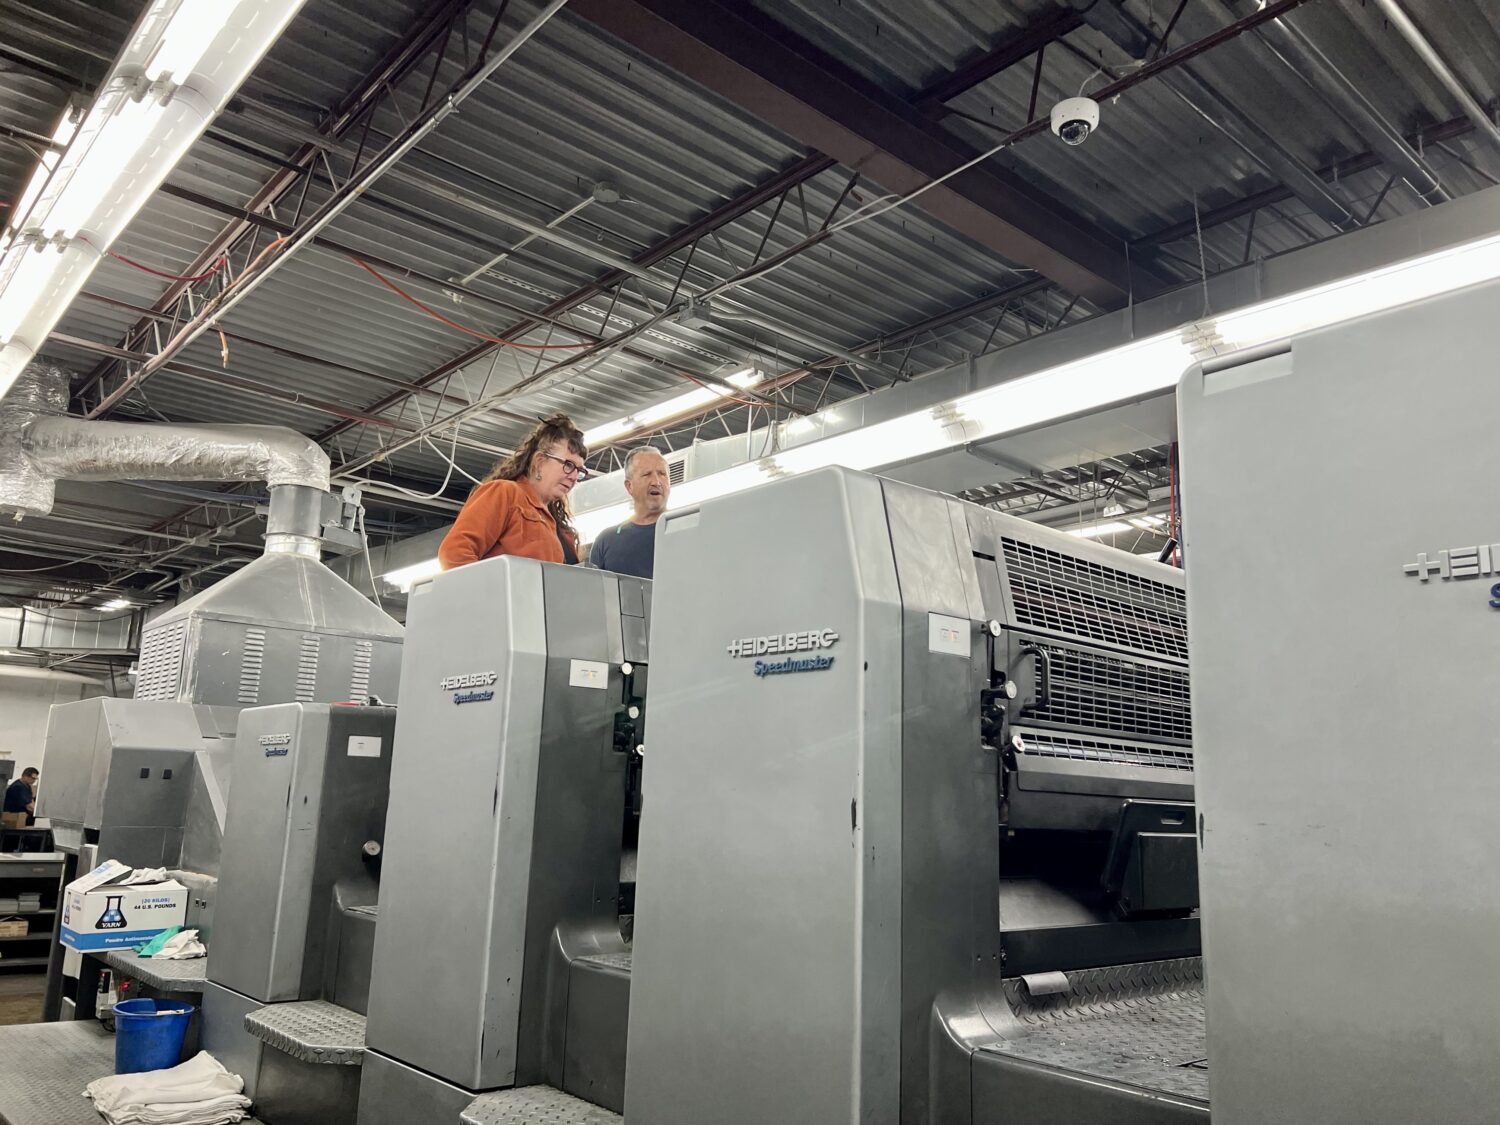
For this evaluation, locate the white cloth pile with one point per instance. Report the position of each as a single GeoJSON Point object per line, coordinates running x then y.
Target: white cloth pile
{"type": "Point", "coordinates": [198, 1092]}
{"type": "Point", "coordinates": [181, 947]}
{"type": "Point", "coordinates": [144, 875]}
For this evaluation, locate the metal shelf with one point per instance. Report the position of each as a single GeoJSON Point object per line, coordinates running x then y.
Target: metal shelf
{"type": "Point", "coordinates": [38, 936]}
{"type": "Point", "coordinates": [21, 962]}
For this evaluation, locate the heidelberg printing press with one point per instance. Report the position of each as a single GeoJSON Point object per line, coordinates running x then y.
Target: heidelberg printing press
{"type": "Point", "coordinates": [920, 844]}
{"type": "Point", "coordinates": [501, 961]}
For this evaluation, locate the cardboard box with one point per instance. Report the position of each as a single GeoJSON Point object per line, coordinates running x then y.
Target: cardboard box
{"type": "Point", "coordinates": [98, 915]}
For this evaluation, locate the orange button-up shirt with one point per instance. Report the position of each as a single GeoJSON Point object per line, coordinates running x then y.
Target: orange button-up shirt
{"type": "Point", "coordinates": [503, 517]}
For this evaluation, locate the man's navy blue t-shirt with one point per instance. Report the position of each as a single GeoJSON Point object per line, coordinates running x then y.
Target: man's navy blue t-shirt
{"type": "Point", "coordinates": [627, 549]}
{"type": "Point", "coordinates": [18, 796]}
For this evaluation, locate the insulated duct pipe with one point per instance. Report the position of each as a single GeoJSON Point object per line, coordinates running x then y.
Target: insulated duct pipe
{"type": "Point", "coordinates": [1306, 59]}
{"type": "Point", "coordinates": [1440, 69]}
{"type": "Point", "coordinates": [40, 445]}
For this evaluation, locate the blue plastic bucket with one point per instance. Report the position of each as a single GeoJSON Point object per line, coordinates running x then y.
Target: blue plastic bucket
{"type": "Point", "coordinates": [149, 1034]}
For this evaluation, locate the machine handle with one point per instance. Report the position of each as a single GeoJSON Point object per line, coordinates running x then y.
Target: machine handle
{"type": "Point", "coordinates": [1043, 672]}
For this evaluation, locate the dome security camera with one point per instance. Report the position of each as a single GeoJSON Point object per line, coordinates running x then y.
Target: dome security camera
{"type": "Point", "coordinates": [1074, 119]}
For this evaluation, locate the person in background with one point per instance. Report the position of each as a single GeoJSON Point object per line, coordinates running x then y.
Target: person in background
{"type": "Point", "coordinates": [20, 799]}
{"type": "Point", "coordinates": [631, 547]}
{"type": "Point", "coordinates": [521, 508]}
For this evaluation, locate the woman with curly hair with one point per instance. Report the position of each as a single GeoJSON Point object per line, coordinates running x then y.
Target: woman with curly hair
{"type": "Point", "coordinates": [521, 508]}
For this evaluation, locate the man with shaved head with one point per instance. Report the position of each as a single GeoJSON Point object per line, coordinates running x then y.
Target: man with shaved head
{"type": "Point", "coordinates": [631, 547]}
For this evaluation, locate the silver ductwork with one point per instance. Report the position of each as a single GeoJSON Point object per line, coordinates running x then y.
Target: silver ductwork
{"type": "Point", "coordinates": [40, 445]}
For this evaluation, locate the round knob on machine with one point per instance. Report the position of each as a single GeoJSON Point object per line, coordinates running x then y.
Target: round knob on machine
{"type": "Point", "coordinates": [992, 627]}
{"type": "Point", "coordinates": [633, 711]}
{"type": "Point", "coordinates": [371, 848]}
{"type": "Point", "coordinates": [627, 668]}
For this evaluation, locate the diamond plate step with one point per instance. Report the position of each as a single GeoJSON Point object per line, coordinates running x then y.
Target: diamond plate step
{"type": "Point", "coordinates": [1156, 1041]}
{"type": "Point", "coordinates": [169, 976]}
{"type": "Point", "coordinates": [609, 960]}
{"type": "Point", "coordinates": [312, 1031]}
{"type": "Point", "coordinates": [535, 1105]}
{"type": "Point", "coordinates": [45, 1068]}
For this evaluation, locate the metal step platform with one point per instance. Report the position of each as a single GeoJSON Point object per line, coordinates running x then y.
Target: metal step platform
{"type": "Point", "coordinates": [311, 1031]}
{"type": "Point", "coordinates": [1124, 1044]}
{"type": "Point", "coordinates": [47, 1065]}
{"type": "Point", "coordinates": [166, 975]}
{"type": "Point", "coordinates": [535, 1105]}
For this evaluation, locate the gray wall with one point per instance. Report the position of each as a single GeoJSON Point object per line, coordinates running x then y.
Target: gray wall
{"type": "Point", "coordinates": [26, 695]}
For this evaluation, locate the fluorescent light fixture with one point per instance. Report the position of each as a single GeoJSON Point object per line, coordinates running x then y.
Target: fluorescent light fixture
{"type": "Point", "coordinates": [883, 443]}
{"type": "Point", "coordinates": [408, 576]}
{"type": "Point", "coordinates": [1096, 530]}
{"type": "Point", "coordinates": [116, 603]}
{"type": "Point", "coordinates": [1135, 370]}
{"type": "Point", "coordinates": [592, 523]}
{"type": "Point", "coordinates": [1366, 293]}
{"type": "Point", "coordinates": [66, 127]}
{"type": "Point", "coordinates": [183, 61]}
{"type": "Point", "coordinates": [649, 416]}
{"type": "Point", "coordinates": [193, 28]}
{"type": "Point", "coordinates": [608, 432]}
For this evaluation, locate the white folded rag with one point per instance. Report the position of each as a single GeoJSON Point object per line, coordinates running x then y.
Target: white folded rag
{"type": "Point", "coordinates": [181, 946]}
{"type": "Point", "coordinates": [142, 875]}
{"type": "Point", "coordinates": [197, 1092]}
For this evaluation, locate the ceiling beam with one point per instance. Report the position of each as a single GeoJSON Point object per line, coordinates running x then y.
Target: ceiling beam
{"type": "Point", "coordinates": [766, 70]}
{"type": "Point", "coordinates": [1010, 50]}
{"type": "Point", "coordinates": [397, 63]}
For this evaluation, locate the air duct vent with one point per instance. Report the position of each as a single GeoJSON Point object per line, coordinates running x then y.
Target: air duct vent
{"type": "Point", "coordinates": [677, 471]}
{"type": "Point", "coordinates": [359, 683]}
{"type": "Point", "coordinates": [1047, 744]}
{"type": "Point", "coordinates": [1077, 597]}
{"type": "Point", "coordinates": [252, 660]}
{"type": "Point", "coordinates": [307, 668]}
{"type": "Point", "coordinates": [160, 664]}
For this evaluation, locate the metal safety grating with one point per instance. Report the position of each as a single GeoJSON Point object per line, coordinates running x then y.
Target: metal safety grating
{"type": "Point", "coordinates": [359, 683]}
{"type": "Point", "coordinates": [160, 667]}
{"type": "Point", "coordinates": [1105, 693]}
{"type": "Point", "coordinates": [1081, 748]}
{"type": "Point", "coordinates": [166, 975]}
{"type": "Point", "coordinates": [307, 668]}
{"type": "Point", "coordinates": [1081, 598]}
{"type": "Point", "coordinates": [1145, 1028]}
{"type": "Point", "coordinates": [311, 1031]}
{"type": "Point", "coordinates": [621, 961]}
{"type": "Point", "coordinates": [535, 1105]}
{"type": "Point", "coordinates": [252, 660]}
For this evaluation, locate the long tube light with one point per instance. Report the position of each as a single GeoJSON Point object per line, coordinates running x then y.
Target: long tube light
{"type": "Point", "coordinates": [649, 416]}
{"type": "Point", "coordinates": [67, 125]}
{"type": "Point", "coordinates": [183, 61]}
{"type": "Point", "coordinates": [1096, 382]}
{"type": "Point", "coordinates": [1132, 371]}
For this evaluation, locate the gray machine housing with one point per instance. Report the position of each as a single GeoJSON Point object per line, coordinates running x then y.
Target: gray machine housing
{"type": "Point", "coordinates": [502, 962]}
{"type": "Point", "coordinates": [299, 883]}
{"type": "Point", "coordinates": [302, 849]}
{"type": "Point", "coordinates": [1346, 632]}
{"type": "Point", "coordinates": [146, 781]}
{"type": "Point", "coordinates": [941, 757]}
{"type": "Point", "coordinates": [285, 628]}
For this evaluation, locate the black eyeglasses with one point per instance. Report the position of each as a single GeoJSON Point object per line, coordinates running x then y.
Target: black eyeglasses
{"type": "Point", "coordinates": [571, 468]}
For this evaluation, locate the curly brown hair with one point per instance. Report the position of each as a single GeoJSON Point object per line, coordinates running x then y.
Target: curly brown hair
{"type": "Point", "coordinates": [557, 427]}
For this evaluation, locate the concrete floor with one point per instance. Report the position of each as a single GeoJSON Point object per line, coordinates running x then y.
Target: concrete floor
{"type": "Point", "coordinates": [21, 997]}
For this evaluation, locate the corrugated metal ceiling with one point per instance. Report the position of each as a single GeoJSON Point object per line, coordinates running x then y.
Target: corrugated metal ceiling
{"type": "Point", "coordinates": [575, 108]}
